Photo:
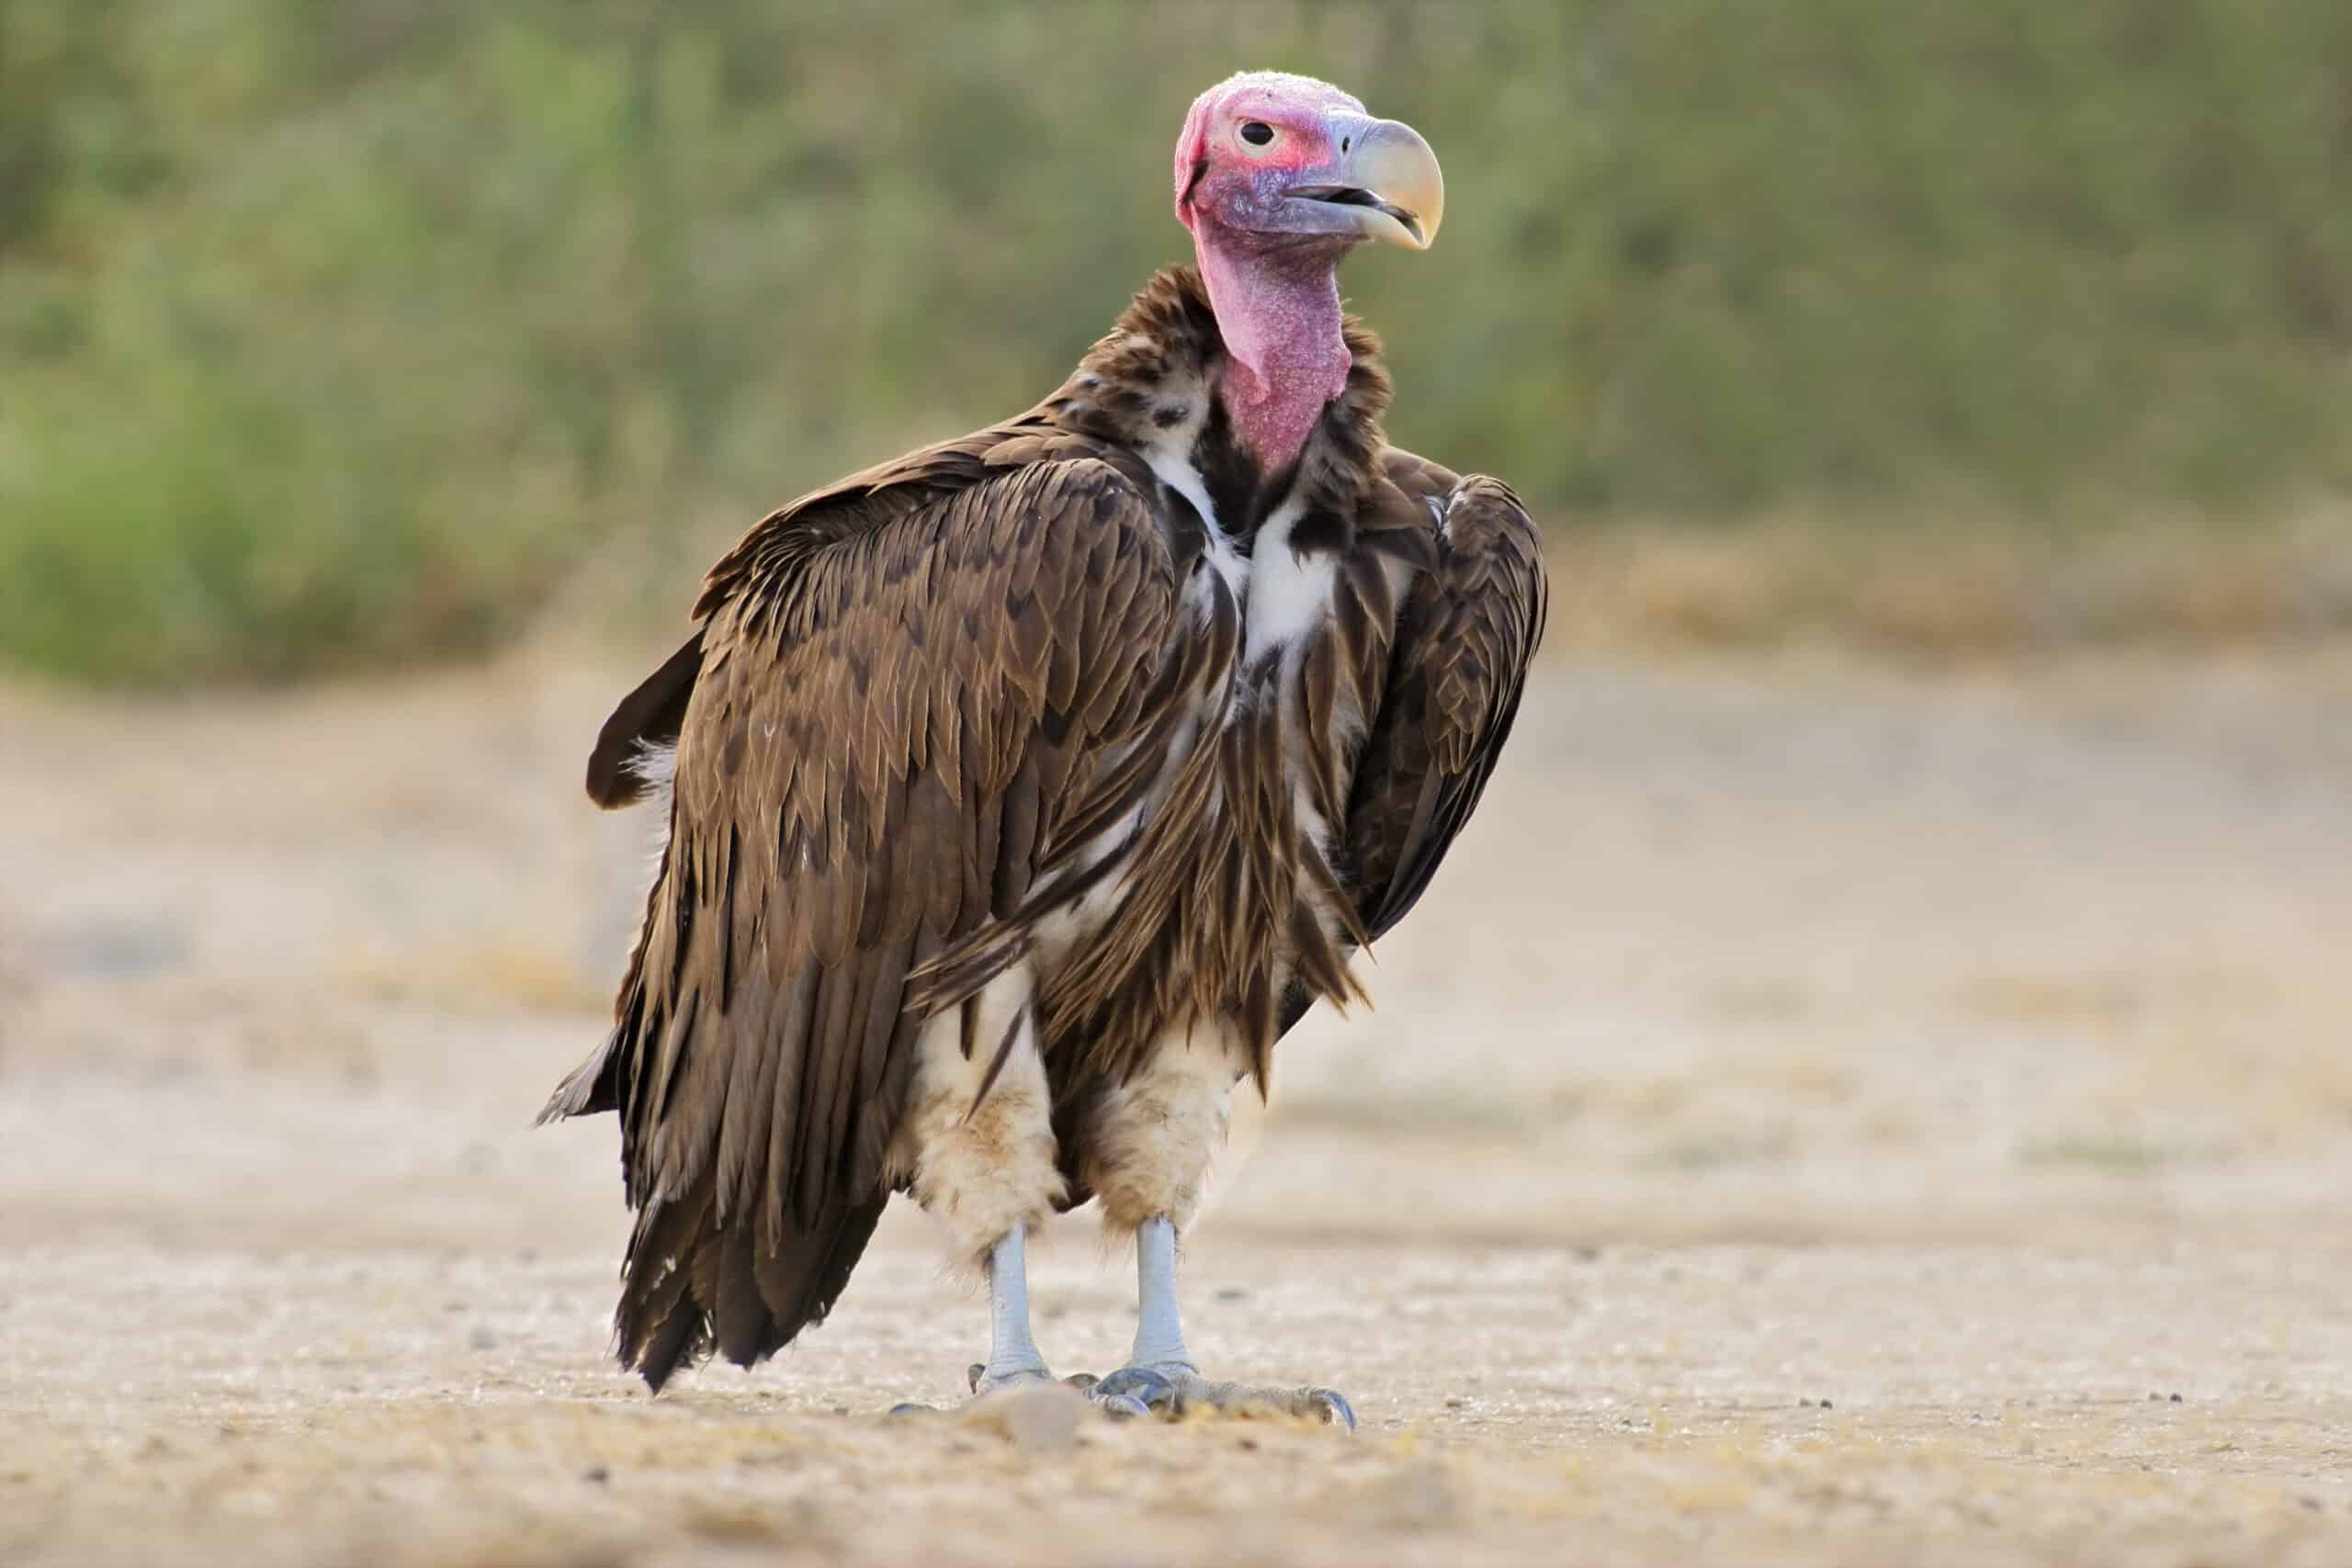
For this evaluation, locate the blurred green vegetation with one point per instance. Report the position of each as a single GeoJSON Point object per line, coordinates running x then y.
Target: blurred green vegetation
{"type": "Point", "coordinates": [340, 333]}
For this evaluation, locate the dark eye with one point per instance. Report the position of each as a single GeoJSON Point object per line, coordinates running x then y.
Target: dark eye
{"type": "Point", "coordinates": [1257, 132]}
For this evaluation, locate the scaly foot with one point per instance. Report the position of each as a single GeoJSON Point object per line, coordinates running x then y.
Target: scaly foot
{"type": "Point", "coordinates": [1159, 1371]}
{"type": "Point", "coordinates": [1170, 1388]}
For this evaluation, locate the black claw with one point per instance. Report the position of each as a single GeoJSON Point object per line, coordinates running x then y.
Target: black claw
{"type": "Point", "coordinates": [973, 1375]}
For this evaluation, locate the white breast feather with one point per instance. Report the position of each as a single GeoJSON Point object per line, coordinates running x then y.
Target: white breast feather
{"type": "Point", "coordinates": [1289, 596]}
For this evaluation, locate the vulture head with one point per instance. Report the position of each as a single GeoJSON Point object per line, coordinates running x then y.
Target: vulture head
{"type": "Point", "coordinates": [1288, 161]}
{"type": "Point", "coordinates": [1276, 176]}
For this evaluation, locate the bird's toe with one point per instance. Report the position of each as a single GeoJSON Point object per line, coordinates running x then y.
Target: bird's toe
{"type": "Point", "coordinates": [1313, 1403]}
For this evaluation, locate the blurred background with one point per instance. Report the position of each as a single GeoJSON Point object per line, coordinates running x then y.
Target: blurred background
{"type": "Point", "coordinates": [1930, 823]}
{"type": "Point", "coordinates": [339, 335]}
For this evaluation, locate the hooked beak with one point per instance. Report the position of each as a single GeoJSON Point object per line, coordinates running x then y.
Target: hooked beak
{"type": "Point", "coordinates": [1385, 177]}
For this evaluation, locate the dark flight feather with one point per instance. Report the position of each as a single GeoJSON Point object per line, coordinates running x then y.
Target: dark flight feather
{"type": "Point", "coordinates": [647, 720]}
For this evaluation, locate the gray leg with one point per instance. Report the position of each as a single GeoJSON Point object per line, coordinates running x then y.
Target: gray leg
{"type": "Point", "coordinates": [1013, 1359]}
{"type": "Point", "coordinates": [1159, 1371]}
{"type": "Point", "coordinates": [1012, 1354]}
{"type": "Point", "coordinates": [1160, 1336]}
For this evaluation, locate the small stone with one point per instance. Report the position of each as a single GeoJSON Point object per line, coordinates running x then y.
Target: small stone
{"type": "Point", "coordinates": [1454, 1402]}
{"type": "Point", "coordinates": [596, 1473]}
{"type": "Point", "coordinates": [483, 1339]}
{"type": "Point", "coordinates": [121, 948]}
{"type": "Point", "coordinates": [1232, 1294]}
{"type": "Point", "coordinates": [1825, 1404]}
{"type": "Point", "coordinates": [1037, 1415]}
{"type": "Point", "coordinates": [2176, 1399]}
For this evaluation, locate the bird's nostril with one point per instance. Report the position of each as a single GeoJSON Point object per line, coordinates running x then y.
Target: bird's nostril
{"type": "Point", "coordinates": [1343, 144]}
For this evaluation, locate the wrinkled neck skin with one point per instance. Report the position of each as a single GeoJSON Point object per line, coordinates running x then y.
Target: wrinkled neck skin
{"type": "Point", "coordinates": [1277, 303]}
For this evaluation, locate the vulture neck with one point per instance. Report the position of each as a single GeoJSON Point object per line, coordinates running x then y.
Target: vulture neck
{"type": "Point", "coordinates": [1277, 305]}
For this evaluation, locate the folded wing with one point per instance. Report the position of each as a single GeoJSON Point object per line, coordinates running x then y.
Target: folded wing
{"type": "Point", "coordinates": [901, 689]}
{"type": "Point", "coordinates": [1465, 633]}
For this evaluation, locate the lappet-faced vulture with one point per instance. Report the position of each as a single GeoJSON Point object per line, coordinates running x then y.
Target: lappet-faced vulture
{"type": "Point", "coordinates": [1023, 791]}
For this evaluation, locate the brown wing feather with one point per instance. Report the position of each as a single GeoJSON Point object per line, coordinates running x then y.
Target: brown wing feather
{"type": "Point", "coordinates": [901, 678]}
{"type": "Point", "coordinates": [1464, 635]}
{"type": "Point", "coordinates": [647, 718]}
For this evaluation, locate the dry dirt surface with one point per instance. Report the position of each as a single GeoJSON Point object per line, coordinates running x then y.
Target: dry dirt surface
{"type": "Point", "coordinates": [1822, 1113]}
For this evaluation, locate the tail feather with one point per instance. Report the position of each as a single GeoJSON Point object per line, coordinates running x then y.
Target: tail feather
{"type": "Point", "coordinates": [691, 1285]}
{"type": "Point", "coordinates": [749, 1332]}
{"type": "Point", "coordinates": [682, 1337]}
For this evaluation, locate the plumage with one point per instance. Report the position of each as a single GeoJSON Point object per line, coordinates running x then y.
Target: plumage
{"type": "Point", "coordinates": [1045, 750]}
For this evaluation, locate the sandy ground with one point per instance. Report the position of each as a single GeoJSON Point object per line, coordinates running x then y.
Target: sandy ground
{"type": "Point", "coordinates": [1822, 1114]}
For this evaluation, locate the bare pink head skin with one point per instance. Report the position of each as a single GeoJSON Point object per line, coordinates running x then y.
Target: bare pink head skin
{"type": "Point", "coordinates": [1277, 177]}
